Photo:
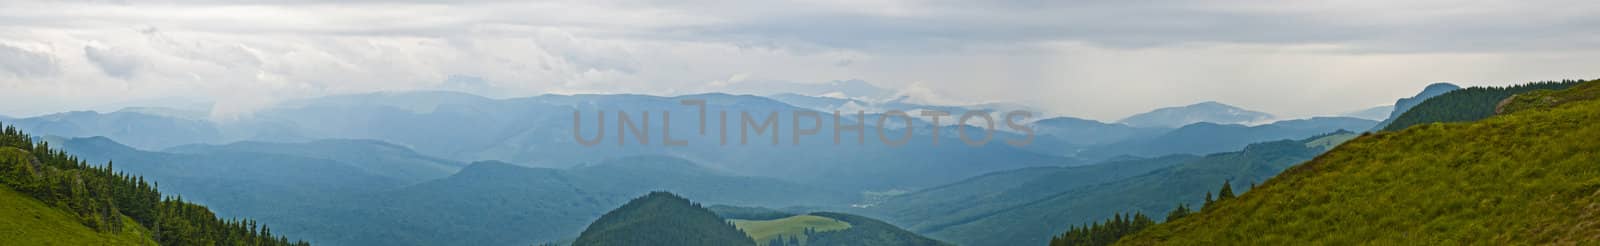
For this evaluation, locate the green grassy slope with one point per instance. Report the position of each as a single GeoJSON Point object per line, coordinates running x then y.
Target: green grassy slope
{"type": "Point", "coordinates": [1530, 177]}
{"type": "Point", "coordinates": [793, 226]}
{"type": "Point", "coordinates": [27, 221]}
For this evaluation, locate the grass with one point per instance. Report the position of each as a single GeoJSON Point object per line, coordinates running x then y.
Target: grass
{"type": "Point", "coordinates": [764, 230]}
{"type": "Point", "coordinates": [27, 221]}
{"type": "Point", "coordinates": [1530, 177]}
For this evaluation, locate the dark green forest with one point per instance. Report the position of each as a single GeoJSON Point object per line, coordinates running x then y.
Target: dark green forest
{"type": "Point", "coordinates": [99, 197]}
{"type": "Point", "coordinates": [1120, 225]}
{"type": "Point", "coordinates": [1469, 104]}
{"type": "Point", "coordinates": [662, 218]}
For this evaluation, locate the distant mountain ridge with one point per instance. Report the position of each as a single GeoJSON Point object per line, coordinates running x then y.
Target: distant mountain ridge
{"type": "Point", "coordinates": [1209, 111]}
{"type": "Point", "coordinates": [1205, 138]}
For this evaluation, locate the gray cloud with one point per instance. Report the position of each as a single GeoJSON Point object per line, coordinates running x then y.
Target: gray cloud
{"type": "Point", "coordinates": [26, 64]}
{"type": "Point", "coordinates": [1122, 57]}
{"type": "Point", "coordinates": [112, 62]}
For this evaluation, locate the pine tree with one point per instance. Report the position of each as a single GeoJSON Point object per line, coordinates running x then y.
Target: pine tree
{"type": "Point", "coordinates": [1179, 212]}
{"type": "Point", "coordinates": [1227, 191]}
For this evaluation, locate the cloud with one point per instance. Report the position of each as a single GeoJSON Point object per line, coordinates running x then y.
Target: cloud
{"type": "Point", "coordinates": [1098, 59]}
{"type": "Point", "coordinates": [22, 63]}
{"type": "Point", "coordinates": [115, 63]}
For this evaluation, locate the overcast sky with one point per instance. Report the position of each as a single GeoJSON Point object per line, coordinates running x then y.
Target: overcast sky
{"type": "Point", "coordinates": [1095, 59]}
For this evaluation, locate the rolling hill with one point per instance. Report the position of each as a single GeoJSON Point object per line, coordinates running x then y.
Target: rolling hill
{"type": "Point", "coordinates": [661, 218]}
{"type": "Point", "coordinates": [1526, 177]}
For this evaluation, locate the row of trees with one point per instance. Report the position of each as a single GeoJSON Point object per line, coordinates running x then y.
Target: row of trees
{"type": "Point", "coordinates": [1120, 225]}
{"type": "Point", "coordinates": [101, 197]}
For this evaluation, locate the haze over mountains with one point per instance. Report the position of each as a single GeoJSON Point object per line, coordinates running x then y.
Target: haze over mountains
{"type": "Point", "coordinates": [1212, 112]}
{"type": "Point", "coordinates": [445, 168]}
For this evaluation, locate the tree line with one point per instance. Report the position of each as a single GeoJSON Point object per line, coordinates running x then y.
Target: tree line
{"type": "Point", "coordinates": [100, 196]}
{"type": "Point", "coordinates": [1121, 225]}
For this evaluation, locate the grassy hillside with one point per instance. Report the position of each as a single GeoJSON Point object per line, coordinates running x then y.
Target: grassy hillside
{"type": "Point", "coordinates": [1528, 177]}
{"type": "Point", "coordinates": [24, 219]}
{"type": "Point", "coordinates": [661, 218]}
{"type": "Point", "coordinates": [790, 227]}
{"type": "Point", "coordinates": [1465, 105]}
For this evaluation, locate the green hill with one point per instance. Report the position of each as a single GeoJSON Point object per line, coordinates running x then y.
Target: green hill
{"type": "Point", "coordinates": [24, 219]}
{"type": "Point", "coordinates": [661, 218]}
{"type": "Point", "coordinates": [1465, 105]}
{"type": "Point", "coordinates": [1528, 177]}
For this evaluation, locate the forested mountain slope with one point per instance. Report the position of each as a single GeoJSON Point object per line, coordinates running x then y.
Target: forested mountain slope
{"type": "Point", "coordinates": [1468, 104]}
{"type": "Point", "coordinates": [106, 201]}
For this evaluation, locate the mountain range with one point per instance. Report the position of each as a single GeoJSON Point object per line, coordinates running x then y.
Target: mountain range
{"type": "Point", "coordinates": [400, 168]}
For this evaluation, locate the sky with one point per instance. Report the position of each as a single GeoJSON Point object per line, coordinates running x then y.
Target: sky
{"type": "Point", "coordinates": [1093, 59]}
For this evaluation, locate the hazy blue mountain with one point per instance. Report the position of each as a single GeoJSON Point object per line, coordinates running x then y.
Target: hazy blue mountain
{"type": "Point", "coordinates": [956, 203]}
{"type": "Point", "coordinates": [494, 203]}
{"type": "Point", "coordinates": [1153, 193]}
{"type": "Point", "coordinates": [1204, 138]}
{"type": "Point", "coordinates": [1090, 132]}
{"type": "Point", "coordinates": [372, 156]}
{"type": "Point", "coordinates": [1405, 104]}
{"type": "Point", "coordinates": [1374, 113]}
{"type": "Point", "coordinates": [1210, 112]}
{"type": "Point", "coordinates": [538, 131]}
{"type": "Point", "coordinates": [135, 127]}
{"type": "Point", "coordinates": [487, 203]}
